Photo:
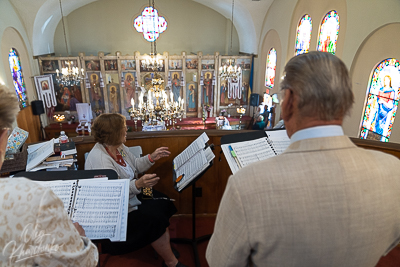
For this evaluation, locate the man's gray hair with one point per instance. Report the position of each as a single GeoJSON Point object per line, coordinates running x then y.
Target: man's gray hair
{"type": "Point", "coordinates": [8, 107]}
{"type": "Point", "coordinates": [322, 83]}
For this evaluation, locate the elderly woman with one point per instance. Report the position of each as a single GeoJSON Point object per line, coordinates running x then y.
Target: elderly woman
{"type": "Point", "coordinates": [29, 209]}
{"type": "Point", "coordinates": [148, 220]}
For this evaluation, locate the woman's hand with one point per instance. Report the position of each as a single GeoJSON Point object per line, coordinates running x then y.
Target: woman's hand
{"type": "Point", "coordinates": [147, 180]}
{"type": "Point", "coordinates": [78, 227]}
{"type": "Point", "coordinates": [159, 153]}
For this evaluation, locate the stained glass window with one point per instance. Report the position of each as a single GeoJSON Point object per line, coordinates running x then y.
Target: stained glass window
{"type": "Point", "coordinates": [328, 33]}
{"type": "Point", "coordinates": [18, 78]}
{"type": "Point", "coordinates": [382, 101]}
{"type": "Point", "coordinates": [271, 68]}
{"type": "Point", "coordinates": [150, 24]}
{"type": "Point", "coordinates": [303, 35]}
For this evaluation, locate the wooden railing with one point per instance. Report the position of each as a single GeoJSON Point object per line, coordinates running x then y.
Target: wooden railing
{"type": "Point", "coordinates": [213, 183]}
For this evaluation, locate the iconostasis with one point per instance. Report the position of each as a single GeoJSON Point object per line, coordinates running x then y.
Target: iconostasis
{"type": "Point", "coordinates": [111, 82]}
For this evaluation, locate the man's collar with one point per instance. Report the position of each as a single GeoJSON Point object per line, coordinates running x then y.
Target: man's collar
{"type": "Point", "coordinates": [317, 132]}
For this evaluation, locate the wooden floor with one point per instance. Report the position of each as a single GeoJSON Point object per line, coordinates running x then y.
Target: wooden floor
{"type": "Point", "coordinates": [181, 228]}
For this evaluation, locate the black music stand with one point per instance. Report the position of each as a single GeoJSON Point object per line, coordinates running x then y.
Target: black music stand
{"type": "Point", "coordinates": [194, 240]}
{"type": "Point", "coordinates": [68, 175]}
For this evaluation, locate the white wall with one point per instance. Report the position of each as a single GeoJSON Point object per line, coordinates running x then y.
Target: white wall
{"type": "Point", "coordinates": [13, 35]}
{"type": "Point", "coordinates": [106, 26]}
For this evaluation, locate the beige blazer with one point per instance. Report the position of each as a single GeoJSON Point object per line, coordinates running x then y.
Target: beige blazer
{"type": "Point", "coordinates": [323, 202]}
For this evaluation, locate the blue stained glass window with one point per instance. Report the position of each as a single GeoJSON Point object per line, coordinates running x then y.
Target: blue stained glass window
{"type": "Point", "coordinates": [382, 101]}
{"type": "Point", "coordinates": [18, 78]}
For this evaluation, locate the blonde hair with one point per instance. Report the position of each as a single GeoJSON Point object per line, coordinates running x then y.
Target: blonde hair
{"type": "Point", "coordinates": [9, 107]}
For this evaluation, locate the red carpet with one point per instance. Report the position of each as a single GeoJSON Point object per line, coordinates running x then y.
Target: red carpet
{"type": "Point", "coordinates": [181, 227]}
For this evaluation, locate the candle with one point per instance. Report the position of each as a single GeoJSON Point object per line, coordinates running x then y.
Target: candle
{"type": "Point", "coordinates": [133, 103]}
{"type": "Point", "coordinates": [172, 96]}
{"type": "Point", "coordinates": [58, 72]}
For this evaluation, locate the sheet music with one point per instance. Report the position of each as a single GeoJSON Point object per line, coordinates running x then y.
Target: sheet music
{"type": "Point", "coordinates": [191, 150]}
{"type": "Point", "coordinates": [209, 156]}
{"type": "Point", "coordinates": [251, 151]}
{"type": "Point", "coordinates": [40, 154]}
{"type": "Point", "coordinates": [101, 208]}
{"type": "Point", "coordinates": [190, 168]}
{"type": "Point", "coordinates": [63, 189]}
{"type": "Point", "coordinates": [279, 139]}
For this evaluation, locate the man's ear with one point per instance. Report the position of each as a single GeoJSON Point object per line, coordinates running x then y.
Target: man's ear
{"type": "Point", "coordinates": [287, 106]}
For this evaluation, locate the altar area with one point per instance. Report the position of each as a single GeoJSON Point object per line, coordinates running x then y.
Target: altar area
{"type": "Point", "coordinates": [119, 83]}
{"type": "Point", "coordinates": [236, 123]}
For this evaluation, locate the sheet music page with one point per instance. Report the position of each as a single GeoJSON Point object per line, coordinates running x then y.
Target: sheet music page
{"type": "Point", "coordinates": [190, 168]}
{"type": "Point", "coordinates": [251, 151]}
{"type": "Point", "coordinates": [63, 189]}
{"type": "Point", "coordinates": [101, 208]}
{"type": "Point", "coordinates": [40, 154]}
{"type": "Point", "coordinates": [209, 156]}
{"type": "Point", "coordinates": [279, 139]}
{"type": "Point", "coordinates": [190, 151]}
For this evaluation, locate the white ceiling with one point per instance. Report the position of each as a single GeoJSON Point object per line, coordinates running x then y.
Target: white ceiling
{"type": "Point", "coordinates": [41, 18]}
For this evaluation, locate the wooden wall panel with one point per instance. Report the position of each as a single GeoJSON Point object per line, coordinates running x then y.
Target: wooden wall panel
{"type": "Point", "coordinates": [214, 181]}
{"type": "Point", "coordinates": [30, 123]}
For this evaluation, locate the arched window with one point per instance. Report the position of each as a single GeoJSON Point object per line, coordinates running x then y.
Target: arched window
{"type": "Point", "coordinates": [382, 101]}
{"type": "Point", "coordinates": [303, 35]}
{"type": "Point", "coordinates": [328, 33]}
{"type": "Point", "coordinates": [271, 68]}
{"type": "Point", "coordinates": [18, 78]}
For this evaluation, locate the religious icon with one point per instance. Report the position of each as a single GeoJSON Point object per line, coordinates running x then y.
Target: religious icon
{"type": "Point", "coordinates": [128, 64]}
{"type": "Point", "coordinates": [113, 98]}
{"type": "Point", "coordinates": [96, 96]}
{"type": "Point", "coordinates": [208, 89]}
{"type": "Point", "coordinates": [49, 65]}
{"type": "Point", "coordinates": [191, 63]}
{"type": "Point", "coordinates": [176, 85]}
{"type": "Point", "coordinates": [45, 85]}
{"type": "Point", "coordinates": [207, 64]}
{"type": "Point", "coordinates": [110, 65]}
{"type": "Point", "coordinates": [223, 93]}
{"type": "Point", "coordinates": [130, 89]}
{"type": "Point", "coordinates": [92, 65]}
{"type": "Point", "coordinates": [191, 97]}
{"type": "Point", "coordinates": [175, 64]}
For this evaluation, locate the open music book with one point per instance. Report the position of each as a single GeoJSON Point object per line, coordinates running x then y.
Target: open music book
{"type": "Point", "coordinates": [191, 162]}
{"type": "Point", "coordinates": [241, 154]}
{"type": "Point", "coordinates": [99, 205]}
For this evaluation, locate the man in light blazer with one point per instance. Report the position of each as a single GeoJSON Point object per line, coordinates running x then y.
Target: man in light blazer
{"type": "Point", "coordinates": [324, 201]}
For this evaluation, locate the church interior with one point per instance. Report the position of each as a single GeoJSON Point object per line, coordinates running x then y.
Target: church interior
{"type": "Point", "coordinates": [182, 70]}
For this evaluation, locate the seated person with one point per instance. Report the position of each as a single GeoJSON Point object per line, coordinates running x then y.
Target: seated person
{"type": "Point", "coordinates": [266, 114]}
{"type": "Point", "coordinates": [259, 124]}
{"type": "Point", "coordinates": [35, 229]}
{"type": "Point", "coordinates": [148, 220]}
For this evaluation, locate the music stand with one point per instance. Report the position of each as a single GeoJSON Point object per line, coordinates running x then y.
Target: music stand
{"type": "Point", "coordinates": [68, 175]}
{"type": "Point", "coordinates": [194, 240]}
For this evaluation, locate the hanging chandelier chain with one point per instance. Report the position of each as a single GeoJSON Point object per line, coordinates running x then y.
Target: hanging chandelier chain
{"type": "Point", "coordinates": [233, 6]}
{"type": "Point", "coordinates": [65, 35]}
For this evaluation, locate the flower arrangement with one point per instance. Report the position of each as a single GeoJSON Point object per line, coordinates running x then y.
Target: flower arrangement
{"type": "Point", "coordinates": [207, 107]}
